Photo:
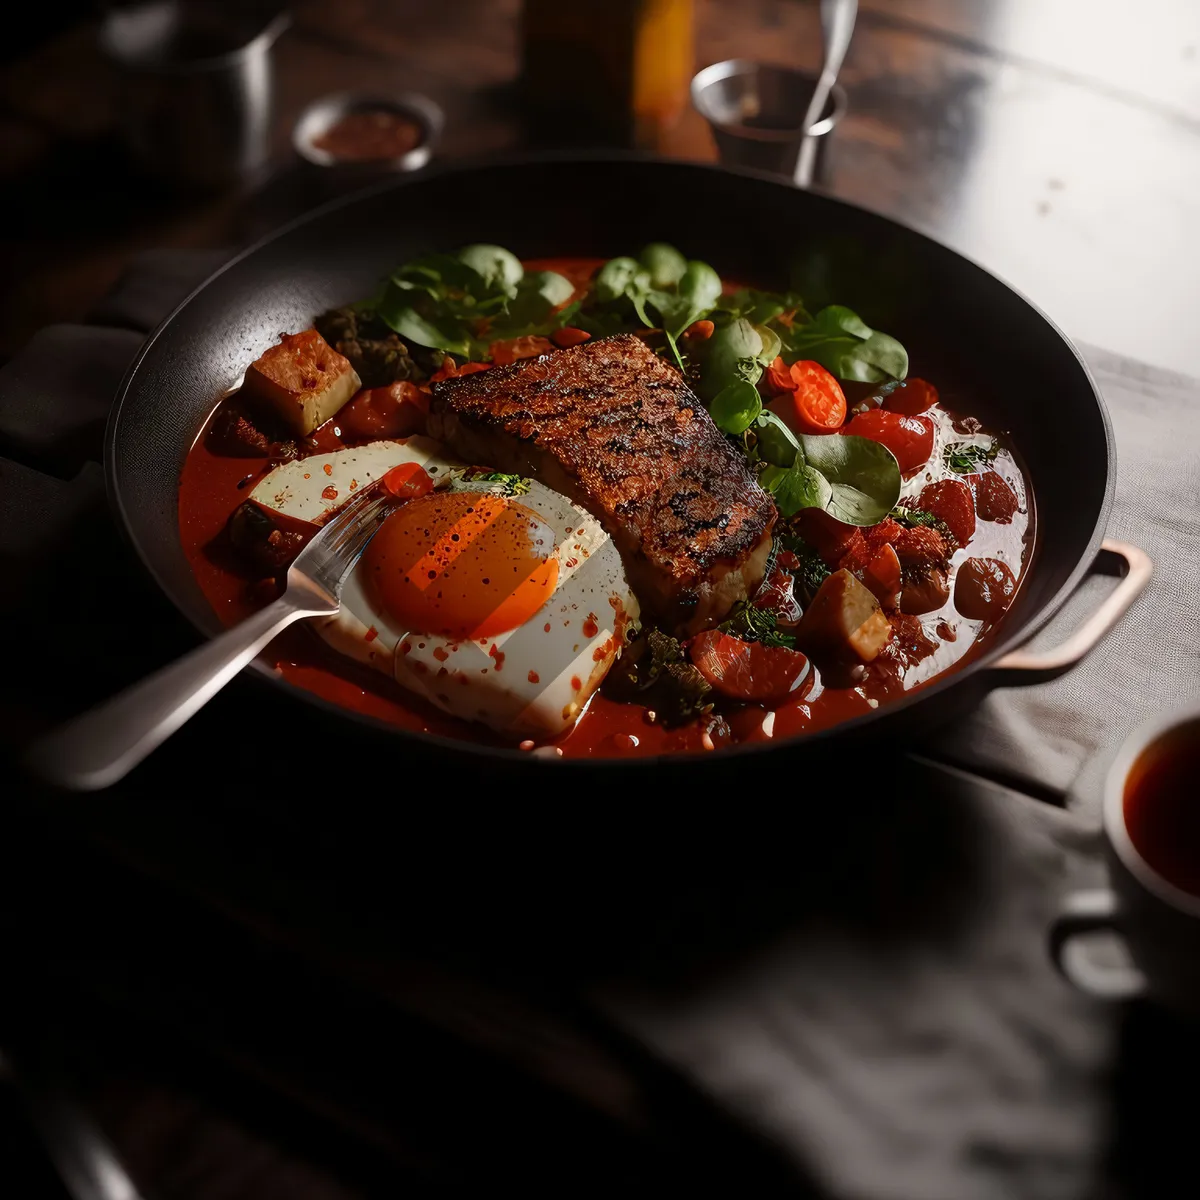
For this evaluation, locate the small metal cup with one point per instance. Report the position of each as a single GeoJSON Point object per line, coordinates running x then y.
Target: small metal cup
{"type": "Point", "coordinates": [197, 91]}
{"type": "Point", "coordinates": [756, 113]}
{"type": "Point", "coordinates": [325, 112]}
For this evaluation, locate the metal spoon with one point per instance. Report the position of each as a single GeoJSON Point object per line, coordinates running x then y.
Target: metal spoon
{"type": "Point", "coordinates": [837, 27]}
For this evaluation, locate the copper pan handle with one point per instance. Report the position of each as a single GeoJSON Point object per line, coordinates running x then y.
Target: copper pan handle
{"type": "Point", "coordinates": [1022, 667]}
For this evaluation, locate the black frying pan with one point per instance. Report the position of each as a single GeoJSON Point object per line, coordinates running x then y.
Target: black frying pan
{"type": "Point", "coordinates": [978, 337]}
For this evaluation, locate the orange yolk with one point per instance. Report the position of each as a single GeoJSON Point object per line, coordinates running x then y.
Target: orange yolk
{"type": "Point", "coordinates": [462, 564]}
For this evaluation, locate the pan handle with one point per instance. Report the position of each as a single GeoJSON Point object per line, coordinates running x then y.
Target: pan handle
{"type": "Point", "coordinates": [1022, 667]}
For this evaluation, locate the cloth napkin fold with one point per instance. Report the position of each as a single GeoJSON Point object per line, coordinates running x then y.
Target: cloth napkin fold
{"type": "Point", "coordinates": [940, 1059]}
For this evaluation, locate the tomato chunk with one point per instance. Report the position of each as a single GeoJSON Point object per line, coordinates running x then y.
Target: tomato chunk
{"type": "Point", "coordinates": [568, 335]}
{"type": "Point", "coordinates": [810, 399]}
{"type": "Point", "coordinates": [395, 411]}
{"type": "Point", "coordinates": [913, 396]}
{"type": "Point", "coordinates": [451, 370]}
{"type": "Point", "coordinates": [748, 671]}
{"type": "Point", "coordinates": [828, 536]}
{"type": "Point", "coordinates": [910, 439]}
{"type": "Point", "coordinates": [882, 576]}
{"type": "Point", "coordinates": [951, 500]}
{"type": "Point", "coordinates": [778, 377]}
{"type": "Point", "coordinates": [983, 588]}
{"type": "Point", "coordinates": [514, 349]}
{"type": "Point", "coordinates": [408, 481]}
{"type": "Point", "coordinates": [994, 499]}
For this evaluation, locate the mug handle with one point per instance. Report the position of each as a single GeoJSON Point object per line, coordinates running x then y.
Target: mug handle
{"type": "Point", "coordinates": [1089, 912]}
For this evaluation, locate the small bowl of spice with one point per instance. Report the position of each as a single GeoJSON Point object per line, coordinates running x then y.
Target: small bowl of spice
{"type": "Point", "coordinates": [363, 136]}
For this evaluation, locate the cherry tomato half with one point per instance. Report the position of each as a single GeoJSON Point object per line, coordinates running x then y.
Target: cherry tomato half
{"type": "Point", "coordinates": [748, 670]}
{"type": "Point", "coordinates": [408, 481]}
{"type": "Point", "coordinates": [913, 396]}
{"type": "Point", "coordinates": [910, 439]}
{"type": "Point", "coordinates": [814, 403]}
{"type": "Point", "coordinates": [994, 499]}
{"type": "Point", "coordinates": [983, 588]}
{"type": "Point", "coordinates": [951, 500]}
{"type": "Point", "coordinates": [395, 411]}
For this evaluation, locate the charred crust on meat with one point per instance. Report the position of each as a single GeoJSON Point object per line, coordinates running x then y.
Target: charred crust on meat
{"type": "Point", "coordinates": [619, 429]}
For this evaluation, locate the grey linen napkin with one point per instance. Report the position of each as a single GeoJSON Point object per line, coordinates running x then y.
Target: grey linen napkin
{"type": "Point", "coordinates": [1048, 734]}
{"type": "Point", "coordinates": [940, 1056]}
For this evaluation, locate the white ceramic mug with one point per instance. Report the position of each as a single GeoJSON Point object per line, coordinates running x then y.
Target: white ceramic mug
{"type": "Point", "coordinates": [1158, 921]}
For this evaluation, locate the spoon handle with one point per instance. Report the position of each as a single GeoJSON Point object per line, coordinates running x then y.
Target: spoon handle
{"type": "Point", "coordinates": [837, 26]}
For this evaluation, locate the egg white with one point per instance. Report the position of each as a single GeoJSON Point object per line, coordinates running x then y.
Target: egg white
{"type": "Point", "coordinates": [534, 680]}
{"type": "Point", "coordinates": [311, 488]}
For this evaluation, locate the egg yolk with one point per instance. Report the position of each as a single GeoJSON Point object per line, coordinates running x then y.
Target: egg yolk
{"type": "Point", "coordinates": [462, 564]}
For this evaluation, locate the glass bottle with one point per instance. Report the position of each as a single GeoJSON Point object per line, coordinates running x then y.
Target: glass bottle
{"type": "Point", "coordinates": [610, 71]}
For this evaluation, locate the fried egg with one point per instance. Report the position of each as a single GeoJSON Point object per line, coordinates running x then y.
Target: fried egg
{"type": "Point", "coordinates": [492, 597]}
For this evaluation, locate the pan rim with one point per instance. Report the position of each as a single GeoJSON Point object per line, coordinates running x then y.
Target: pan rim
{"type": "Point", "coordinates": [811, 742]}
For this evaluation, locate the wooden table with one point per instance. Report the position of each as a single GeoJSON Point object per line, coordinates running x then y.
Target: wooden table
{"type": "Point", "coordinates": [1061, 156]}
{"type": "Point", "coordinates": [1061, 150]}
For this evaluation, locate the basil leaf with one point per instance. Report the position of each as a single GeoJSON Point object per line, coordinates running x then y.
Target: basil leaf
{"type": "Point", "coordinates": [664, 263]}
{"type": "Point", "coordinates": [863, 475]}
{"type": "Point", "coordinates": [735, 406]}
{"type": "Point", "coordinates": [639, 292]}
{"type": "Point", "coordinates": [796, 487]}
{"type": "Point", "coordinates": [397, 314]}
{"type": "Point", "coordinates": [538, 295]}
{"type": "Point", "coordinates": [497, 267]}
{"type": "Point", "coordinates": [776, 442]}
{"type": "Point", "coordinates": [439, 274]}
{"type": "Point", "coordinates": [846, 346]}
{"type": "Point", "coordinates": [731, 353]}
{"type": "Point", "coordinates": [614, 278]}
{"type": "Point", "coordinates": [556, 289]}
{"type": "Point", "coordinates": [700, 285]}
{"type": "Point", "coordinates": [761, 307]}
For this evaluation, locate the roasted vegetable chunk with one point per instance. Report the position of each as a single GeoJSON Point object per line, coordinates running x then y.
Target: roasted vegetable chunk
{"type": "Point", "coordinates": [844, 623]}
{"type": "Point", "coordinates": [303, 381]}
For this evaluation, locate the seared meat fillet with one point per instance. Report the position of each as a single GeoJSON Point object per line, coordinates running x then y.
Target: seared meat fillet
{"type": "Point", "coordinates": [617, 429]}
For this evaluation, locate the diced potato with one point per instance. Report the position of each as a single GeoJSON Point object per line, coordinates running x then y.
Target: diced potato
{"type": "Point", "coordinates": [844, 622]}
{"type": "Point", "coordinates": [303, 381]}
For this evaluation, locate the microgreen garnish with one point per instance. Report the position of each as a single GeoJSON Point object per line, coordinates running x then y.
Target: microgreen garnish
{"type": "Point", "coordinates": [965, 458]}
{"type": "Point", "coordinates": [514, 485]}
{"type": "Point", "coordinates": [753, 624]}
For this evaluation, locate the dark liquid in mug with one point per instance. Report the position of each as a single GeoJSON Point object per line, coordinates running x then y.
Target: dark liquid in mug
{"type": "Point", "coordinates": [1162, 807]}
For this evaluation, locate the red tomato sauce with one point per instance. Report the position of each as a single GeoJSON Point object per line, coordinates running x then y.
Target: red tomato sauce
{"type": "Point", "coordinates": [214, 483]}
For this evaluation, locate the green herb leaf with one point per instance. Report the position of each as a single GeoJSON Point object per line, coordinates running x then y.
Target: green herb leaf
{"type": "Point", "coordinates": [761, 307]}
{"type": "Point", "coordinates": [776, 442]}
{"type": "Point", "coordinates": [700, 286]}
{"type": "Point", "coordinates": [513, 485]}
{"type": "Point", "coordinates": [735, 406]}
{"type": "Point", "coordinates": [497, 267]}
{"type": "Point", "coordinates": [846, 346]}
{"type": "Point", "coordinates": [397, 311]}
{"type": "Point", "coordinates": [812, 571]}
{"type": "Point", "coordinates": [613, 279]}
{"type": "Point", "coordinates": [537, 296]}
{"type": "Point", "coordinates": [796, 487]}
{"type": "Point", "coordinates": [965, 458]}
{"type": "Point", "coordinates": [733, 352]}
{"type": "Point", "coordinates": [699, 289]}
{"type": "Point", "coordinates": [664, 263]}
{"type": "Point", "coordinates": [863, 476]}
